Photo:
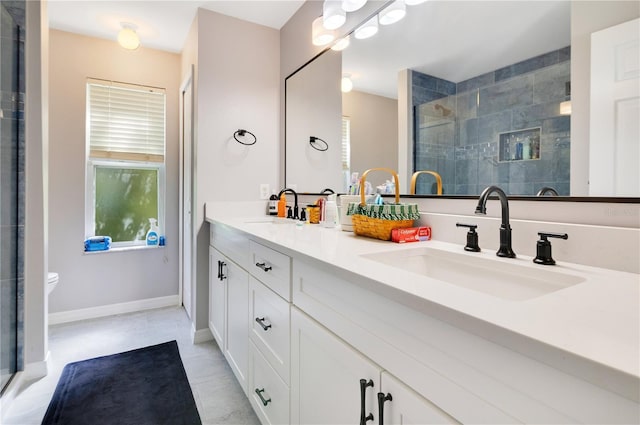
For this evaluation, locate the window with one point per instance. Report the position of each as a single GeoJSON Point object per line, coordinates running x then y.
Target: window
{"type": "Point", "coordinates": [125, 160]}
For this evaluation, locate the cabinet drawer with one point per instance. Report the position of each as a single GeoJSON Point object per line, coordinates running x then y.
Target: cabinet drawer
{"type": "Point", "coordinates": [269, 326]}
{"type": "Point", "coordinates": [271, 268]}
{"type": "Point", "coordinates": [231, 243]}
{"type": "Point", "coordinates": [268, 394]}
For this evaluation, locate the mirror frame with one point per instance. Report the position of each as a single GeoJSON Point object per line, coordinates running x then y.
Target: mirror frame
{"type": "Point", "coordinates": [596, 199]}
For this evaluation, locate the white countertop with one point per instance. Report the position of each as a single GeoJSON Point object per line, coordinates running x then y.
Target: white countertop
{"type": "Point", "coordinates": [597, 319]}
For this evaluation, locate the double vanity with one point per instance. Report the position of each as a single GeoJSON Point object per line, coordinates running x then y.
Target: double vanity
{"type": "Point", "coordinates": [322, 326]}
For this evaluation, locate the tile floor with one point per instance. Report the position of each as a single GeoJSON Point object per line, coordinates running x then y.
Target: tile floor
{"type": "Point", "coordinates": [218, 396]}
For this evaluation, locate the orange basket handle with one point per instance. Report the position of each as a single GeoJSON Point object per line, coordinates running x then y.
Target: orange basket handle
{"type": "Point", "coordinates": [388, 170]}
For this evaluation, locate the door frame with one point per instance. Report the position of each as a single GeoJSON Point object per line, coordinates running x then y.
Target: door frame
{"type": "Point", "coordinates": [186, 240]}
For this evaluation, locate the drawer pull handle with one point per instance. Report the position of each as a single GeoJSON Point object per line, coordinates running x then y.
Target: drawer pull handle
{"type": "Point", "coordinates": [221, 275]}
{"type": "Point", "coordinates": [259, 392]}
{"type": "Point", "coordinates": [264, 266]}
{"type": "Point", "coordinates": [260, 321]}
{"type": "Point", "coordinates": [381, 399]}
{"type": "Point", "coordinates": [363, 392]}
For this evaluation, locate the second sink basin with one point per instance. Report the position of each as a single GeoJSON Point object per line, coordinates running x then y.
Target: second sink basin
{"type": "Point", "coordinates": [498, 278]}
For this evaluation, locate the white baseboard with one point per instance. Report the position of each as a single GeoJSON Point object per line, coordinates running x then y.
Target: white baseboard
{"type": "Point", "coordinates": [37, 370]}
{"type": "Point", "coordinates": [200, 335]}
{"type": "Point", "coordinates": [113, 309]}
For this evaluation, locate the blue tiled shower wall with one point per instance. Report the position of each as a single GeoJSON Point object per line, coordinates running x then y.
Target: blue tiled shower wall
{"type": "Point", "coordinates": [458, 126]}
{"type": "Point", "coordinates": [12, 192]}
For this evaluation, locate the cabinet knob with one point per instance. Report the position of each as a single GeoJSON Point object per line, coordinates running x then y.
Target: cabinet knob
{"type": "Point", "coordinates": [364, 418]}
{"type": "Point", "coordinates": [262, 399]}
{"type": "Point", "coordinates": [260, 321]}
{"type": "Point", "coordinates": [263, 266]}
{"type": "Point", "coordinates": [381, 400]}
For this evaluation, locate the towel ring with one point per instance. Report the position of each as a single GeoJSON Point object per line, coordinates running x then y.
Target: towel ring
{"type": "Point", "coordinates": [242, 133]}
{"type": "Point", "coordinates": [313, 140]}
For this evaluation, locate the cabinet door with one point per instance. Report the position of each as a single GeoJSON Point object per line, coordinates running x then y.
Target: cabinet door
{"type": "Point", "coordinates": [325, 376]}
{"type": "Point", "coordinates": [217, 297]}
{"type": "Point", "coordinates": [403, 406]}
{"type": "Point", "coordinates": [237, 343]}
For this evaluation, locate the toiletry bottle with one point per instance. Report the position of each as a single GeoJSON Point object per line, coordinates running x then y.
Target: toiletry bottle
{"type": "Point", "coordinates": [330, 211]}
{"type": "Point", "coordinates": [152, 234]}
{"type": "Point", "coordinates": [526, 149]}
{"type": "Point", "coordinates": [273, 204]}
{"type": "Point", "coordinates": [282, 206]}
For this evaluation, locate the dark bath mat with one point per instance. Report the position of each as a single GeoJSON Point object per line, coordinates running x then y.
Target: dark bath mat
{"type": "Point", "coordinates": [146, 386]}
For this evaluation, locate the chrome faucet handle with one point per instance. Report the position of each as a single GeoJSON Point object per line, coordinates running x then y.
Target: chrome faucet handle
{"type": "Point", "coordinates": [543, 248]}
{"type": "Point", "coordinates": [472, 237]}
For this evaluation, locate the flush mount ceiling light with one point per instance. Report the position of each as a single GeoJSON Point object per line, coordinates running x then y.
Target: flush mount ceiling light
{"type": "Point", "coordinates": [346, 85]}
{"type": "Point", "coordinates": [368, 29]}
{"type": "Point", "coordinates": [413, 2]}
{"type": "Point", "coordinates": [128, 37]}
{"type": "Point", "coordinates": [342, 44]}
{"type": "Point", "coordinates": [333, 16]}
{"type": "Point", "coordinates": [319, 34]}
{"type": "Point", "coordinates": [352, 5]}
{"type": "Point", "coordinates": [392, 13]}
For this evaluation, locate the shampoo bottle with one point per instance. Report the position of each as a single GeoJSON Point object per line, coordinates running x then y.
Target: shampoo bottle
{"type": "Point", "coordinates": [330, 211]}
{"type": "Point", "coordinates": [152, 234]}
{"type": "Point", "coordinates": [282, 206]}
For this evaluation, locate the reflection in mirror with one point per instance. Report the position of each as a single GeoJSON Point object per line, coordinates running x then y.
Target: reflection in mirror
{"type": "Point", "coordinates": [486, 85]}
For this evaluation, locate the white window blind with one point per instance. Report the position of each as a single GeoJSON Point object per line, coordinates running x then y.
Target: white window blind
{"type": "Point", "coordinates": [126, 122]}
{"type": "Point", "coordinates": [346, 143]}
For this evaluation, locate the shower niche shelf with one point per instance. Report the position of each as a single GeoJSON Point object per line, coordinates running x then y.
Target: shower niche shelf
{"type": "Point", "coordinates": [521, 145]}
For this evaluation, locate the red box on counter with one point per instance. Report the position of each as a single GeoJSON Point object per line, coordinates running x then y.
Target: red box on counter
{"type": "Point", "coordinates": [411, 234]}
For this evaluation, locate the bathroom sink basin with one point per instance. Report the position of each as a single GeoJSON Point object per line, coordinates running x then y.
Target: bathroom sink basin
{"type": "Point", "coordinates": [514, 281]}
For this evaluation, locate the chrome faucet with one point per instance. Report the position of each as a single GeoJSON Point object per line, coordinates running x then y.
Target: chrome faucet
{"type": "Point", "coordinates": [546, 190]}
{"type": "Point", "coordinates": [295, 201]}
{"type": "Point", "coordinates": [505, 229]}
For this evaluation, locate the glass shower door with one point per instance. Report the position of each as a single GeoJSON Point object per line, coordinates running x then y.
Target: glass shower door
{"type": "Point", "coordinates": [11, 108]}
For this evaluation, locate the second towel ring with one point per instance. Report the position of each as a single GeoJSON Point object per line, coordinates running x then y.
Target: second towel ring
{"type": "Point", "coordinates": [313, 140]}
{"type": "Point", "coordinates": [242, 133]}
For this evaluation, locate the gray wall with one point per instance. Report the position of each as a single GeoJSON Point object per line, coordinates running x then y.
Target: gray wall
{"type": "Point", "coordinates": [91, 280]}
{"type": "Point", "coordinates": [237, 86]}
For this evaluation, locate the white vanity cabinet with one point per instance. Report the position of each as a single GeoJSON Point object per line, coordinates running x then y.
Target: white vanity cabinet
{"type": "Point", "coordinates": [325, 377]}
{"type": "Point", "coordinates": [229, 300]}
{"type": "Point", "coordinates": [321, 344]}
{"type": "Point", "coordinates": [403, 406]}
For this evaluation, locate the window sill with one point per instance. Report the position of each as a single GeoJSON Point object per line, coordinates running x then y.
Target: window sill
{"type": "Point", "coordinates": [124, 248]}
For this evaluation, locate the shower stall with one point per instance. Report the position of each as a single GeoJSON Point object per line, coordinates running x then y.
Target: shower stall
{"type": "Point", "coordinates": [11, 186]}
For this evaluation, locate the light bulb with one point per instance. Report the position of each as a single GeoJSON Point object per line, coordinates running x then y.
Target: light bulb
{"type": "Point", "coordinates": [392, 13]}
{"type": "Point", "coordinates": [342, 44]}
{"type": "Point", "coordinates": [352, 5]}
{"type": "Point", "coordinates": [128, 38]}
{"type": "Point", "coordinates": [333, 17]}
{"type": "Point", "coordinates": [346, 85]}
{"type": "Point", "coordinates": [319, 34]}
{"type": "Point", "coordinates": [368, 29]}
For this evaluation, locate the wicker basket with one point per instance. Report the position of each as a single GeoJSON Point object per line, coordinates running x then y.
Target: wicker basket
{"type": "Point", "coordinates": [377, 221]}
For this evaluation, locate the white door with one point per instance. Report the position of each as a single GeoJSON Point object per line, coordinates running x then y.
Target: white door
{"type": "Point", "coordinates": [614, 154]}
{"type": "Point", "coordinates": [406, 407]}
{"type": "Point", "coordinates": [325, 377]}
{"type": "Point", "coordinates": [186, 192]}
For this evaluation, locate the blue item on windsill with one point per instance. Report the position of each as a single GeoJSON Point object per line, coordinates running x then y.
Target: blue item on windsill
{"type": "Point", "coordinates": [97, 243]}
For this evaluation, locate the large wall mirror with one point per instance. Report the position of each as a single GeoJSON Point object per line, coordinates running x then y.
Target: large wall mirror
{"type": "Point", "coordinates": [486, 90]}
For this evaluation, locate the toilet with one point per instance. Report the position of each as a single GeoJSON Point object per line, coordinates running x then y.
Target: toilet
{"type": "Point", "coordinates": [52, 282]}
